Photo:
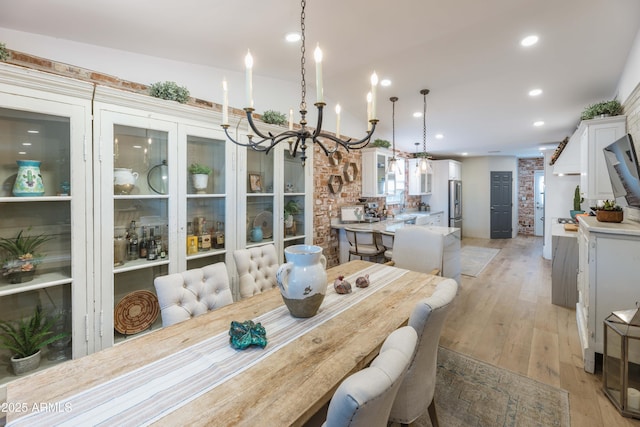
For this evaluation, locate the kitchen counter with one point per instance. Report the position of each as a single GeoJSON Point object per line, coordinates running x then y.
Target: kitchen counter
{"type": "Point", "coordinates": [558, 230]}
{"type": "Point", "coordinates": [626, 227]}
{"type": "Point", "coordinates": [390, 224]}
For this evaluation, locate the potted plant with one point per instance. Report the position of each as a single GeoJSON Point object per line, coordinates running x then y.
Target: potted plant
{"type": "Point", "coordinates": [25, 337]}
{"type": "Point", "coordinates": [604, 108]}
{"type": "Point", "coordinates": [577, 200]}
{"type": "Point", "coordinates": [381, 143]}
{"type": "Point", "coordinates": [609, 212]}
{"type": "Point", "coordinates": [19, 264]}
{"type": "Point", "coordinates": [274, 117]}
{"type": "Point", "coordinates": [290, 209]}
{"type": "Point", "coordinates": [199, 176]}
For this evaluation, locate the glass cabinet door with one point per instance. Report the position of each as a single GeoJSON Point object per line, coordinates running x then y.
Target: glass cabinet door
{"type": "Point", "coordinates": [43, 220]}
{"type": "Point", "coordinates": [293, 215]}
{"type": "Point", "coordinates": [260, 198]}
{"type": "Point", "coordinates": [381, 173]}
{"type": "Point", "coordinates": [138, 217]}
{"type": "Point", "coordinates": [206, 206]}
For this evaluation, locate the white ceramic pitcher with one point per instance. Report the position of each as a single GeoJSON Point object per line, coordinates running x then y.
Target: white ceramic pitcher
{"type": "Point", "coordinates": [303, 279]}
{"type": "Point", "coordinates": [124, 180]}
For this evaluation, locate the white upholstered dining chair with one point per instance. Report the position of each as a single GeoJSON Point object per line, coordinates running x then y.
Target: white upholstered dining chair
{"type": "Point", "coordinates": [193, 292]}
{"type": "Point", "coordinates": [387, 238]}
{"type": "Point", "coordinates": [419, 249]}
{"type": "Point", "coordinates": [416, 393]}
{"type": "Point", "coordinates": [365, 397]}
{"type": "Point", "coordinates": [257, 268]}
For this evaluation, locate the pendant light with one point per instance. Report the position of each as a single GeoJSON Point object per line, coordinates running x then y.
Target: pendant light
{"type": "Point", "coordinates": [417, 169]}
{"type": "Point", "coordinates": [425, 166]}
{"type": "Point", "coordinates": [393, 162]}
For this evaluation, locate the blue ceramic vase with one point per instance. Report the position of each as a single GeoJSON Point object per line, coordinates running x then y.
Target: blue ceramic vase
{"type": "Point", "coordinates": [29, 180]}
{"type": "Point", "coordinates": [256, 234]}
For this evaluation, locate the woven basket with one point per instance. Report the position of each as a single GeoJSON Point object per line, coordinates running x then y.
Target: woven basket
{"type": "Point", "coordinates": [609, 216]}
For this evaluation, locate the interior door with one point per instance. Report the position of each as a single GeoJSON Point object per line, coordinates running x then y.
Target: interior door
{"type": "Point", "coordinates": [538, 216]}
{"type": "Point", "coordinates": [501, 205]}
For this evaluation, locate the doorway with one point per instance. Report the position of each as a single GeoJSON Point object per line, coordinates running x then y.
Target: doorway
{"type": "Point", "coordinates": [501, 205]}
{"type": "Point", "coordinates": [538, 194]}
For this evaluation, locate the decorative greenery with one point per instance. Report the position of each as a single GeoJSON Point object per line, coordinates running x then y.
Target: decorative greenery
{"type": "Point", "coordinates": [274, 117]}
{"type": "Point", "coordinates": [291, 208]}
{"type": "Point", "coordinates": [170, 91]}
{"type": "Point", "coordinates": [577, 199]}
{"type": "Point", "coordinates": [383, 143]}
{"type": "Point", "coordinates": [4, 53]}
{"type": "Point", "coordinates": [26, 336]}
{"type": "Point", "coordinates": [197, 168]}
{"type": "Point", "coordinates": [610, 205]}
{"type": "Point", "coordinates": [21, 252]}
{"type": "Point", "coordinates": [612, 108]}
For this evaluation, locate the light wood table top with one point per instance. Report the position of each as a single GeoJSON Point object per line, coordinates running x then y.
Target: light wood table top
{"type": "Point", "coordinates": [285, 388]}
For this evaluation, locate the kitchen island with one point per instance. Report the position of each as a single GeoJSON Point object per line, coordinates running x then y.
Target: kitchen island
{"type": "Point", "coordinates": [452, 238]}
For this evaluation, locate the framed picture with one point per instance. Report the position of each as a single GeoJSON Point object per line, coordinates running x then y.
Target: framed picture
{"type": "Point", "coordinates": [255, 182]}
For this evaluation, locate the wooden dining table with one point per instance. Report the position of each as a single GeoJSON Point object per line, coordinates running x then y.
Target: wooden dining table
{"type": "Point", "coordinates": [285, 387]}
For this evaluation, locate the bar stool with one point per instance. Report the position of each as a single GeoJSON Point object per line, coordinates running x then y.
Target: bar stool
{"type": "Point", "coordinates": [387, 241]}
{"type": "Point", "coordinates": [364, 243]}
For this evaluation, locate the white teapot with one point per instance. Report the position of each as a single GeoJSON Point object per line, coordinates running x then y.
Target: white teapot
{"type": "Point", "coordinates": [124, 180]}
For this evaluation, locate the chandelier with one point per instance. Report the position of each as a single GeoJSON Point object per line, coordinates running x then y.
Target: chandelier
{"type": "Point", "coordinates": [425, 166]}
{"type": "Point", "coordinates": [298, 138]}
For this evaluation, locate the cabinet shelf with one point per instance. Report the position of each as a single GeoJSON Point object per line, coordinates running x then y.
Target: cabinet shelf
{"type": "Point", "coordinates": [205, 254]}
{"type": "Point", "coordinates": [140, 264]}
{"type": "Point", "coordinates": [206, 196]}
{"type": "Point", "coordinates": [35, 199]}
{"type": "Point", "coordinates": [40, 281]}
{"type": "Point", "coordinates": [141, 196]}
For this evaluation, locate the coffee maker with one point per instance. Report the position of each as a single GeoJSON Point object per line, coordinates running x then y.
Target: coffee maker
{"type": "Point", "coordinates": [371, 209]}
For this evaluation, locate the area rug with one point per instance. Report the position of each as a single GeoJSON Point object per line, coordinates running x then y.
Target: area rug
{"type": "Point", "coordinates": [473, 393]}
{"type": "Point", "coordinates": [473, 259]}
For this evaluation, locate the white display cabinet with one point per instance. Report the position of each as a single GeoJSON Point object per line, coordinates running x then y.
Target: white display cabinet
{"type": "Point", "coordinates": [48, 119]}
{"type": "Point", "coordinates": [378, 180]}
{"type": "Point", "coordinates": [155, 141]}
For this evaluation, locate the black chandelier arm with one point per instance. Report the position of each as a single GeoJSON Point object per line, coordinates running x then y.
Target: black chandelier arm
{"type": "Point", "coordinates": [249, 112]}
{"type": "Point", "coordinates": [348, 143]}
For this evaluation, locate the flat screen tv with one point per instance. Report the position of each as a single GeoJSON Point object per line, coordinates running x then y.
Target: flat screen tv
{"type": "Point", "coordinates": [624, 171]}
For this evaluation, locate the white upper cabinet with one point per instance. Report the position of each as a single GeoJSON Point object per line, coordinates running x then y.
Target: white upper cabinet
{"type": "Point", "coordinates": [377, 179]}
{"type": "Point", "coordinates": [595, 135]}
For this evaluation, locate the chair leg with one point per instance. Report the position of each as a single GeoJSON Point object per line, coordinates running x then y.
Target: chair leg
{"type": "Point", "coordinates": [432, 413]}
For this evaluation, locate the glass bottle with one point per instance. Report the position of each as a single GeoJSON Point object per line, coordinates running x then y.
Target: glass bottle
{"type": "Point", "coordinates": [143, 244]}
{"type": "Point", "coordinates": [219, 235]}
{"type": "Point", "coordinates": [192, 240]}
{"type": "Point", "coordinates": [152, 247]}
{"type": "Point", "coordinates": [204, 239]}
{"type": "Point", "coordinates": [133, 241]}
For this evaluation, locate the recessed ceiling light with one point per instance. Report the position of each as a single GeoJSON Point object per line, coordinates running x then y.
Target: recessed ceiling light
{"type": "Point", "coordinates": [529, 41]}
{"type": "Point", "coordinates": [417, 114]}
{"type": "Point", "coordinates": [33, 131]}
{"type": "Point", "coordinates": [465, 154]}
{"type": "Point", "coordinates": [535, 92]}
{"type": "Point", "coordinates": [22, 152]}
{"type": "Point", "coordinates": [538, 123]}
{"type": "Point", "coordinates": [137, 146]}
{"type": "Point", "coordinates": [292, 37]}
{"type": "Point", "coordinates": [385, 82]}
{"type": "Point", "coordinates": [26, 144]}
{"type": "Point", "coordinates": [439, 136]}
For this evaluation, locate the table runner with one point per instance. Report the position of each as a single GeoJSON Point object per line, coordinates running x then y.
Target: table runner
{"type": "Point", "coordinates": [146, 394]}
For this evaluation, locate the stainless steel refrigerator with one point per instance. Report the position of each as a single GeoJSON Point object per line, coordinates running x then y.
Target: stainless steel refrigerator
{"type": "Point", "coordinates": [455, 204]}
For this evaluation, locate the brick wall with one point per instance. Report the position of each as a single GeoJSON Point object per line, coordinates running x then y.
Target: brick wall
{"type": "Point", "coordinates": [526, 208]}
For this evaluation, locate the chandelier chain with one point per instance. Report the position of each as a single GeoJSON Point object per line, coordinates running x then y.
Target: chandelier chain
{"type": "Point", "coordinates": [303, 82]}
{"type": "Point", "coordinates": [424, 126]}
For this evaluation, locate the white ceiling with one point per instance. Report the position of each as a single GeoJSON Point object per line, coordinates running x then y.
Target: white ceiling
{"type": "Point", "coordinates": [466, 52]}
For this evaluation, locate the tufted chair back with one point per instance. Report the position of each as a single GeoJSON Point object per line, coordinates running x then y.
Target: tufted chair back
{"type": "Point", "coordinates": [257, 268]}
{"type": "Point", "coordinates": [416, 393]}
{"type": "Point", "coordinates": [192, 292]}
{"type": "Point", "coordinates": [365, 397]}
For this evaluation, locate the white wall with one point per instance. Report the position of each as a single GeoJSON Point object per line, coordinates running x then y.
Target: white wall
{"type": "Point", "coordinates": [631, 73]}
{"type": "Point", "coordinates": [476, 182]}
{"type": "Point", "coordinates": [203, 82]}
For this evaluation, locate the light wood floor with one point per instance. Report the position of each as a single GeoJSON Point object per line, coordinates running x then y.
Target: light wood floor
{"type": "Point", "coordinates": [505, 317]}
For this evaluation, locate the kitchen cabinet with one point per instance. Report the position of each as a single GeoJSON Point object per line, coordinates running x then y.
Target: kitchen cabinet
{"type": "Point", "coordinates": [420, 183]}
{"type": "Point", "coordinates": [377, 179]}
{"type": "Point", "coordinates": [48, 119]}
{"type": "Point", "coordinates": [596, 134]}
{"type": "Point", "coordinates": [564, 267]}
{"type": "Point", "coordinates": [455, 170]}
{"type": "Point", "coordinates": [608, 268]}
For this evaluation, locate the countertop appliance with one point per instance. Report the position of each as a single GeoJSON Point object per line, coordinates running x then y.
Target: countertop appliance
{"type": "Point", "coordinates": [567, 221]}
{"type": "Point", "coordinates": [455, 204]}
